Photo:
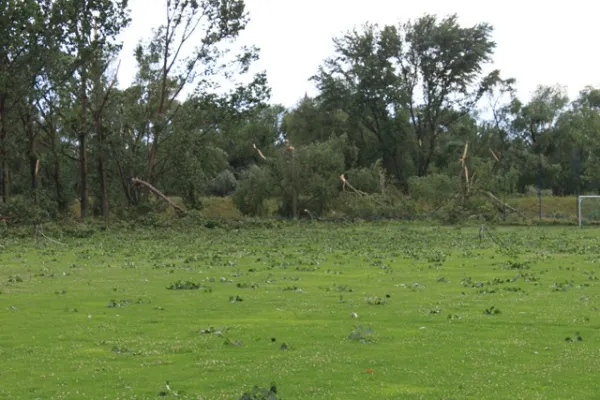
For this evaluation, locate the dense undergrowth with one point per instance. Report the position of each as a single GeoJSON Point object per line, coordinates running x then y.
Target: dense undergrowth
{"type": "Point", "coordinates": [20, 215]}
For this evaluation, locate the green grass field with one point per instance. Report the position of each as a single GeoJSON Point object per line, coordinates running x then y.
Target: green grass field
{"type": "Point", "coordinates": [439, 314]}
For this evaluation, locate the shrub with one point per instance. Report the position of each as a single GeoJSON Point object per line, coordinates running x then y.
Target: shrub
{"type": "Point", "coordinates": [220, 208]}
{"type": "Point", "coordinates": [375, 206]}
{"type": "Point", "coordinates": [23, 209]}
{"type": "Point", "coordinates": [434, 190]}
{"type": "Point", "coordinates": [367, 180]}
{"type": "Point", "coordinates": [253, 189]}
{"type": "Point", "coordinates": [532, 190]}
{"type": "Point", "coordinates": [224, 184]}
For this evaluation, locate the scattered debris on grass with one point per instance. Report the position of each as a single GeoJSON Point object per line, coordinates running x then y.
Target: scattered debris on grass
{"type": "Point", "coordinates": [235, 299]}
{"type": "Point", "coordinates": [261, 393]}
{"type": "Point", "coordinates": [187, 285]}
{"type": "Point", "coordinates": [362, 334]}
{"type": "Point", "coordinates": [492, 311]}
{"type": "Point", "coordinates": [375, 301]}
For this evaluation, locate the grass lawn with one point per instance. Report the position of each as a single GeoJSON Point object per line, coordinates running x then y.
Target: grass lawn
{"type": "Point", "coordinates": [437, 314]}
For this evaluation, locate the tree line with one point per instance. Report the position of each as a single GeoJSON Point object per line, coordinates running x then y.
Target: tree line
{"type": "Point", "coordinates": [402, 112]}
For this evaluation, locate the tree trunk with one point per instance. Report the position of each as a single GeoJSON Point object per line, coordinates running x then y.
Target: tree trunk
{"type": "Point", "coordinates": [4, 178]}
{"type": "Point", "coordinates": [102, 163]}
{"type": "Point", "coordinates": [125, 184]}
{"type": "Point", "coordinates": [151, 161]}
{"type": "Point", "coordinates": [83, 174]}
{"type": "Point", "coordinates": [83, 147]}
{"type": "Point", "coordinates": [62, 204]}
{"type": "Point", "coordinates": [294, 185]}
{"type": "Point", "coordinates": [33, 159]}
{"type": "Point", "coordinates": [33, 165]}
{"type": "Point", "coordinates": [103, 184]}
{"type": "Point", "coordinates": [192, 195]}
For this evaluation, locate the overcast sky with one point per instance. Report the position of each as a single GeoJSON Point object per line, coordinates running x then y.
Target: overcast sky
{"type": "Point", "coordinates": [538, 42]}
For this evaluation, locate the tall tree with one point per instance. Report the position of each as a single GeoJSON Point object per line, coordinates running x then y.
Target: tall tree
{"type": "Point", "coordinates": [535, 126]}
{"type": "Point", "coordinates": [20, 32]}
{"type": "Point", "coordinates": [92, 25]}
{"type": "Point", "coordinates": [164, 71]}
{"type": "Point", "coordinates": [408, 85]}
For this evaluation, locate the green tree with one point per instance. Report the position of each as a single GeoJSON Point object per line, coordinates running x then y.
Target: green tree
{"type": "Point", "coordinates": [22, 24]}
{"type": "Point", "coordinates": [534, 125]}
{"type": "Point", "coordinates": [304, 179]}
{"type": "Point", "coordinates": [164, 72]}
{"type": "Point", "coordinates": [92, 26]}
{"type": "Point", "coordinates": [408, 85]}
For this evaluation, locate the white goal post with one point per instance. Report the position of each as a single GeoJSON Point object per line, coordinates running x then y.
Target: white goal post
{"type": "Point", "coordinates": [579, 212]}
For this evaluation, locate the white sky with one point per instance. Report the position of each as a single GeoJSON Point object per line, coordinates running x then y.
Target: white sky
{"type": "Point", "coordinates": [538, 42]}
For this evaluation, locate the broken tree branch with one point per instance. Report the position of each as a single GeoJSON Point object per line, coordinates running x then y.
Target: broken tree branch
{"type": "Point", "coordinates": [260, 153]}
{"type": "Point", "coordinates": [491, 196]}
{"type": "Point", "coordinates": [345, 184]}
{"type": "Point", "coordinates": [157, 192]}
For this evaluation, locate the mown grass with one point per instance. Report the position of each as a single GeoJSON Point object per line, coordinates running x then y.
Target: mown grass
{"type": "Point", "coordinates": [440, 315]}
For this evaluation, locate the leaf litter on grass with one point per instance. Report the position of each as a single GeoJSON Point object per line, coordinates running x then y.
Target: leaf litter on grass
{"type": "Point", "coordinates": [397, 277]}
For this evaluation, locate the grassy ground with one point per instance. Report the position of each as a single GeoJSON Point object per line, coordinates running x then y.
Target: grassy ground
{"type": "Point", "coordinates": [553, 207]}
{"type": "Point", "coordinates": [439, 315]}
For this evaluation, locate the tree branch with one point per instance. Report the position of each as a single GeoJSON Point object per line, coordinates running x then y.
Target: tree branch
{"type": "Point", "coordinates": [157, 192]}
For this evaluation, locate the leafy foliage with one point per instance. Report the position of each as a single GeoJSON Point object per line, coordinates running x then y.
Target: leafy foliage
{"type": "Point", "coordinates": [395, 107]}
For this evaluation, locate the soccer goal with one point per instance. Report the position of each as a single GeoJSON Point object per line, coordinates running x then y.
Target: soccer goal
{"type": "Point", "coordinates": [588, 208]}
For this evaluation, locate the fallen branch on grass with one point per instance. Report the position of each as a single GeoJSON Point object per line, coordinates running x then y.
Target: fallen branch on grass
{"type": "Point", "coordinates": [47, 238]}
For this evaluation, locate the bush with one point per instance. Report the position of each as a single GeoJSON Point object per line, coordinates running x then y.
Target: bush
{"type": "Point", "coordinates": [375, 206]}
{"type": "Point", "coordinates": [531, 190]}
{"type": "Point", "coordinates": [24, 209]}
{"type": "Point", "coordinates": [220, 208]}
{"type": "Point", "coordinates": [224, 184]}
{"type": "Point", "coordinates": [253, 189]}
{"type": "Point", "coordinates": [314, 173]}
{"type": "Point", "coordinates": [457, 210]}
{"type": "Point", "coordinates": [367, 180]}
{"type": "Point", "coordinates": [434, 190]}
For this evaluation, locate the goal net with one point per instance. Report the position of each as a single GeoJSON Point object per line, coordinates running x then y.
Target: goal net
{"type": "Point", "coordinates": [588, 209]}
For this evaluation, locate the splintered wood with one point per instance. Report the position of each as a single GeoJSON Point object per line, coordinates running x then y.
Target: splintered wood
{"type": "Point", "coordinates": [260, 153]}
{"type": "Point", "coordinates": [345, 184]}
{"type": "Point", "coordinates": [464, 166]}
